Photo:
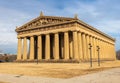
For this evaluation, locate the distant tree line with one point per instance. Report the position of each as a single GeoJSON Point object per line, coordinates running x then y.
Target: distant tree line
{"type": "Point", "coordinates": [7, 58]}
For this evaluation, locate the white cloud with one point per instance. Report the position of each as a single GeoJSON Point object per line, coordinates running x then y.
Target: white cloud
{"type": "Point", "coordinates": [9, 19]}
{"type": "Point", "coordinates": [103, 15]}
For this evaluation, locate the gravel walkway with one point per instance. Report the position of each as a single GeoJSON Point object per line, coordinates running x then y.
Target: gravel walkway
{"type": "Point", "coordinates": [107, 76]}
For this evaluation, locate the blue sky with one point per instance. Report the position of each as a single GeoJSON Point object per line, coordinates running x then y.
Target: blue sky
{"type": "Point", "coordinates": [101, 14]}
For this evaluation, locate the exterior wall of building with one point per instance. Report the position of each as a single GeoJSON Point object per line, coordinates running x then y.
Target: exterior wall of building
{"type": "Point", "coordinates": [68, 42]}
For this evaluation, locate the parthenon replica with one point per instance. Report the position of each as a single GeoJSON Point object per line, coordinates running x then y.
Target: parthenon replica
{"type": "Point", "coordinates": [52, 38]}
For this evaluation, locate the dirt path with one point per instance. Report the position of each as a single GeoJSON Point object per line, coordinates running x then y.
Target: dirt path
{"type": "Point", "coordinates": [107, 76]}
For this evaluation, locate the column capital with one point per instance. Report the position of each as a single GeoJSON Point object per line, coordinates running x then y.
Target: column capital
{"type": "Point", "coordinates": [83, 33]}
{"type": "Point", "coordinates": [75, 31]}
{"type": "Point", "coordinates": [56, 33]}
{"type": "Point", "coordinates": [25, 36]}
{"type": "Point", "coordinates": [87, 34]}
{"type": "Point", "coordinates": [19, 37]}
{"type": "Point", "coordinates": [79, 31]}
{"type": "Point", "coordinates": [47, 33]}
{"type": "Point", "coordinates": [93, 36]}
{"type": "Point", "coordinates": [32, 36]}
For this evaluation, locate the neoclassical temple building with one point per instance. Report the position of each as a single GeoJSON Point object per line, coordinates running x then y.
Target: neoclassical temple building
{"type": "Point", "coordinates": [51, 38]}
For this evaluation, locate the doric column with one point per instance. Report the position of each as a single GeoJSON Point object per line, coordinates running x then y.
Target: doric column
{"type": "Point", "coordinates": [100, 51]}
{"type": "Point", "coordinates": [47, 47]}
{"type": "Point", "coordinates": [80, 52]}
{"type": "Point", "coordinates": [96, 47]}
{"type": "Point", "coordinates": [32, 48]}
{"type": "Point", "coordinates": [84, 46]}
{"type": "Point", "coordinates": [91, 42]}
{"type": "Point", "coordinates": [93, 47]}
{"type": "Point", "coordinates": [95, 50]}
{"type": "Point", "coordinates": [19, 49]}
{"type": "Point", "coordinates": [75, 45]}
{"type": "Point", "coordinates": [103, 51]}
{"type": "Point", "coordinates": [56, 54]}
{"type": "Point", "coordinates": [87, 47]}
{"type": "Point", "coordinates": [39, 47]}
{"type": "Point", "coordinates": [62, 46]}
{"type": "Point", "coordinates": [25, 48]}
{"type": "Point", "coordinates": [105, 48]}
{"type": "Point", "coordinates": [71, 45]}
{"type": "Point", "coordinates": [108, 55]}
{"type": "Point", "coordinates": [114, 52]}
{"type": "Point", "coordinates": [111, 51]}
{"type": "Point", "coordinates": [66, 45]}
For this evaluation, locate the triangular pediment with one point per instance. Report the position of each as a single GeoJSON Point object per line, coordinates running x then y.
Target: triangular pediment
{"type": "Point", "coordinates": [43, 20]}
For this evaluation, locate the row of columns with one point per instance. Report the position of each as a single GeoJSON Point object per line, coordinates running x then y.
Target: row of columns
{"type": "Point", "coordinates": [78, 48]}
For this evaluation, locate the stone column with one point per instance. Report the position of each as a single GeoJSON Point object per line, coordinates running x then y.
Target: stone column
{"type": "Point", "coordinates": [32, 48]}
{"type": "Point", "coordinates": [66, 45]}
{"type": "Point", "coordinates": [91, 42]}
{"type": "Point", "coordinates": [114, 53]}
{"type": "Point", "coordinates": [84, 46]}
{"type": "Point", "coordinates": [71, 46]}
{"type": "Point", "coordinates": [101, 49]}
{"type": "Point", "coordinates": [108, 51]}
{"type": "Point", "coordinates": [95, 50]}
{"type": "Point", "coordinates": [103, 54]}
{"type": "Point", "coordinates": [87, 47]}
{"type": "Point", "coordinates": [104, 51]}
{"type": "Point", "coordinates": [47, 47]}
{"type": "Point", "coordinates": [93, 47]}
{"type": "Point", "coordinates": [19, 49]}
{"type": "Point", "coordinates": [25, 48]}
{"type": "Point", "coordinates": [111, 51]}
{"type": "Point", "coordinates": [56, 54]}
{"type": "Point", "coordinates": [39, 47]}
{"type": "Point", "coordinates": [62, 46]}
{"type": "Point", "coordinates": [80, 52]}
{"type": "Point", "coordinates": [75, 45]}
{"type": "Point", "coordinates": [108, 55]}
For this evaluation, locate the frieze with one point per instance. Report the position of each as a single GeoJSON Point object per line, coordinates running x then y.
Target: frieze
{"type": "Point", "coordinates": [47, 28]}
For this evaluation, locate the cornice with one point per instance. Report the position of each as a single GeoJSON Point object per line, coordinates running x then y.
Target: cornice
{"type": "Point", "coordinates": [94, 29]}
{"type": "Point", "coordinates": [67, 21]}
{"type": "Point", "coordinates": [49, 25]}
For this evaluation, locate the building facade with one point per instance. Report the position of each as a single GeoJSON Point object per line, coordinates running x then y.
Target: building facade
{"type": "Point", "coordinates": [51, 38]}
